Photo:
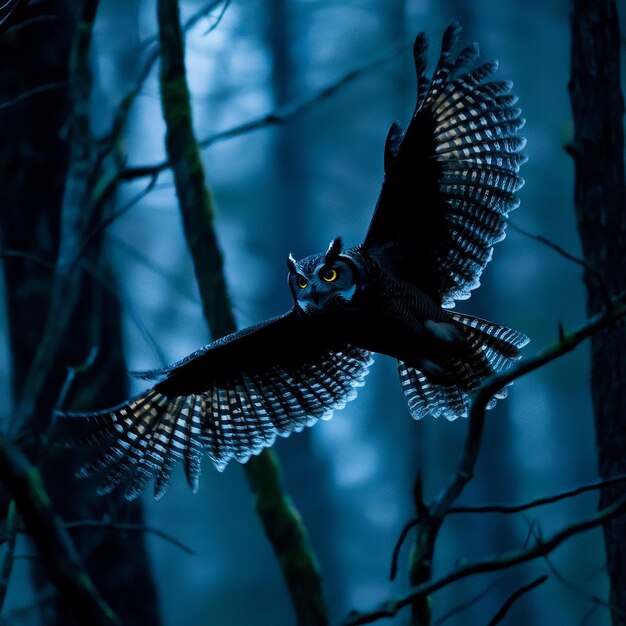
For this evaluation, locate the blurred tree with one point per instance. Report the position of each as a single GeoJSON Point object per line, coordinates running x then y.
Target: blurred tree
{"type": "Point", "coordinates": [600, 198]}
{"type": "Point", "coordinates": [292, 216]}
{"type": "Point", "coordinates": [35, 55]}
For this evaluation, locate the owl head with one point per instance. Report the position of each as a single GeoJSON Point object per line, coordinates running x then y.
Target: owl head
{"type": "Point", "coordinates": [323, 282]}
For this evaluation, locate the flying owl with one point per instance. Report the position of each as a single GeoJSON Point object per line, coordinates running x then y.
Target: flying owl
{"type": "Point", "coordinates": [449, 182]}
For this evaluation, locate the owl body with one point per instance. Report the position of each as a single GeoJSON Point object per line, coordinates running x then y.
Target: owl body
{"type": "Point", "coordinates": [366, 304]}
{"type": "Point", "coordinates": [450, 178]}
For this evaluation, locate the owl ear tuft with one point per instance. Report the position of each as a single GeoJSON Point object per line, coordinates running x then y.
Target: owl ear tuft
{"type": "Point", "coordinates": [334, 250]}
{"type": "Point", "coordinates": [291, 263]}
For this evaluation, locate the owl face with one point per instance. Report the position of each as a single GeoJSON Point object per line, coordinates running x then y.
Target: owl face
{"type": "Point", "coordinates": [323, 282]}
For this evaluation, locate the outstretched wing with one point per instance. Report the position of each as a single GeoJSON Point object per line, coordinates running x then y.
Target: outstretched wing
{"type": "Point", "coordinates": [452, 172]}
{"type": "Point", "coordinates": [230, 399]}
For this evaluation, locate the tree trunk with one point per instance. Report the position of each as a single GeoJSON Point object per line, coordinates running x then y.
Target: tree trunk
{"type": "Point", "coordinates": [291, 215]}
{"type": "Point", "coordinates": [34, 163]}
{"type": "Point", "coordinates": [600, 202]}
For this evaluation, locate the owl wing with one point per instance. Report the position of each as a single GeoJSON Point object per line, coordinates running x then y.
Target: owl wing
{"type": "Point", "coordinates": [229, 399]}
{"type": "Point", "coordinates": [453, 172]}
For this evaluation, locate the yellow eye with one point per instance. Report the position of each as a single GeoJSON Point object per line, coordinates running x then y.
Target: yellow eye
{"type": "Point", "coordinates": [329, 275]}
{"type": "Point", "coordinates": [302, 282]}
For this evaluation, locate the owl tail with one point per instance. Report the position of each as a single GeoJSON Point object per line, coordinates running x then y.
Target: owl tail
{"type": "Point", "coordinates": [491, 349]}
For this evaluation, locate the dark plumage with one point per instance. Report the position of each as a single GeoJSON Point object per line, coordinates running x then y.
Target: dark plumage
{"type": "Point", "coordinates": [450, 179]}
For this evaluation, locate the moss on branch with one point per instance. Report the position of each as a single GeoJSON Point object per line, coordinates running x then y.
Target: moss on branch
{"type": "Point", "coordinates": [281, 521]}
{"type": "Point", "coordinates": [46, 529]}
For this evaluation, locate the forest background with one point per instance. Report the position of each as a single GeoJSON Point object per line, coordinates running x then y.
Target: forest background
{"type": "Point", "coordinates": [308, 89]}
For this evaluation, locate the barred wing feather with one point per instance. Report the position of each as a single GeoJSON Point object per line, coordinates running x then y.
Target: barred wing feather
{"type": "Point", "coordinates": [492, 348]}
{"type": "Point", "coordinates": [454, 170]}
{"type": "Point", "coordinates": [216, 402]}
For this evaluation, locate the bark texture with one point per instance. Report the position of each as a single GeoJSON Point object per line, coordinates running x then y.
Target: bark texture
{"type": "Point", "coordinates": [600, 203]}
{"type": "Point", "coordinates": [35, 161]}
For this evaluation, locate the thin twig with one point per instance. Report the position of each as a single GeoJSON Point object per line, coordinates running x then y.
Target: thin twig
{"type": "Point", "coordinates": [272, 118]}
{"type": "Point", "coordinates": [35, 91]}
{"type": "Point", "coordinates": [98, 276]}
{"type": "Point", "coordinates": [494, 564]}
{"type": "Point", "coordinates": [216, 23]}
{"type": "Point", "coordinates": [121, 117]}
{"type": "Point", "coordinates": [105, 283]}
{"type": "Point", "coordinates": [466, 605]}
{"type": "Point", "coordinates": [598, 277]}
{"type": "Point", "coordinates": [26, 256]}
{"type": "Point", "coordinates": [298, 108]}
{"type": "Point", "coordinates": [439, 509]}
{"type": "Point", "coordinates": [465, 469]}
{"type": "Point", "coordinates": [516, 595]}
{"type": "Point", "coordinates": [172, 280]}
{"type": "Point", "coordinates": [191, 21]}
{"type": "Point", "coordinates": [393, 570]}
{"type": "Point", "coordinates": [508, 509]}
{"type": "Point", "coordinates": [30, 22]}
{"type": "Point", "coordinates": [127, 527]}
{"type": "Point", "coordinates": [567, 343]}
{"type": "Point", "coordinates": [106, 222]}
{"type": "Point", "coordinates": [505, 509]}
{"type": "Point", "coordinates": [81, 368]}
{"type": "Point", "coordinates": [580, 591]}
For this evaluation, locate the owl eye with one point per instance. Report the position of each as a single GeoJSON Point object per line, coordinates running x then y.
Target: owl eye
{"type": "Point", "coordinates": [329, 275]}
{"type": "Point", "coordinates": [302, 282]}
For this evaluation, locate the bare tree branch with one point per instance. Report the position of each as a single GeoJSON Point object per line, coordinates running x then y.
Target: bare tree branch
{"type": "Point", "coordinates": [566, 344]}
{"type": "Point", "coordinates": [580, 591]}
{"type": "Point", "coordinates": [121, 117]}
{"type": "Point", "coordinates": [393, 570]}
{"type": "Point", "coordinates": [71, 375]}
{"type": "Point", "coordinates": [30, 22]}
{"type": "Point", "coordinates": [272, 118]}
{"type": "Point", "coordinates": [440, 508]}
{"type": "Point", "coordinates": [106, 222]}
{"type": "Point", "coordinates": [602, 285]}
{"type": "Point", "coordinates": [194, 19]}
{"type": "Point", "coordinates": [466, 605]}
{"type": "Point", "coordinates": [508, 509]}
{"type": "Point", "coordinates": [516, 595]}
{"type": "Point", "coordinates": [35, 91]}
{"type": "Point", "coordinates": [494, 564]}
{"type": "Point", "coordinates": [57, 551]}
{"type": "Point", "coordinates": [98, 276]}
{"type": "Point", "coordinates": [505, 509]}
{"type": "Point", "coordinates": [126, 527]}
{"type": "Point", "coordinates": [75, 215]}
{"type": "Point", "coordinates": [421, 563]}
{"type": "Point", "coordinates": [171, 278]}
{"type": "Point", "coordinates": [26, 256]}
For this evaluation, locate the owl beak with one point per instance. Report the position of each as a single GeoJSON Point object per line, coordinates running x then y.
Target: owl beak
{"type": "Point", "coordinates": [315, 296]}
{"type": "Point", "coordinates": [314, 302]}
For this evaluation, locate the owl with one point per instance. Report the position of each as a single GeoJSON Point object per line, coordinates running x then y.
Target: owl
{"type": "Point", "coordinates": [450, 178]}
